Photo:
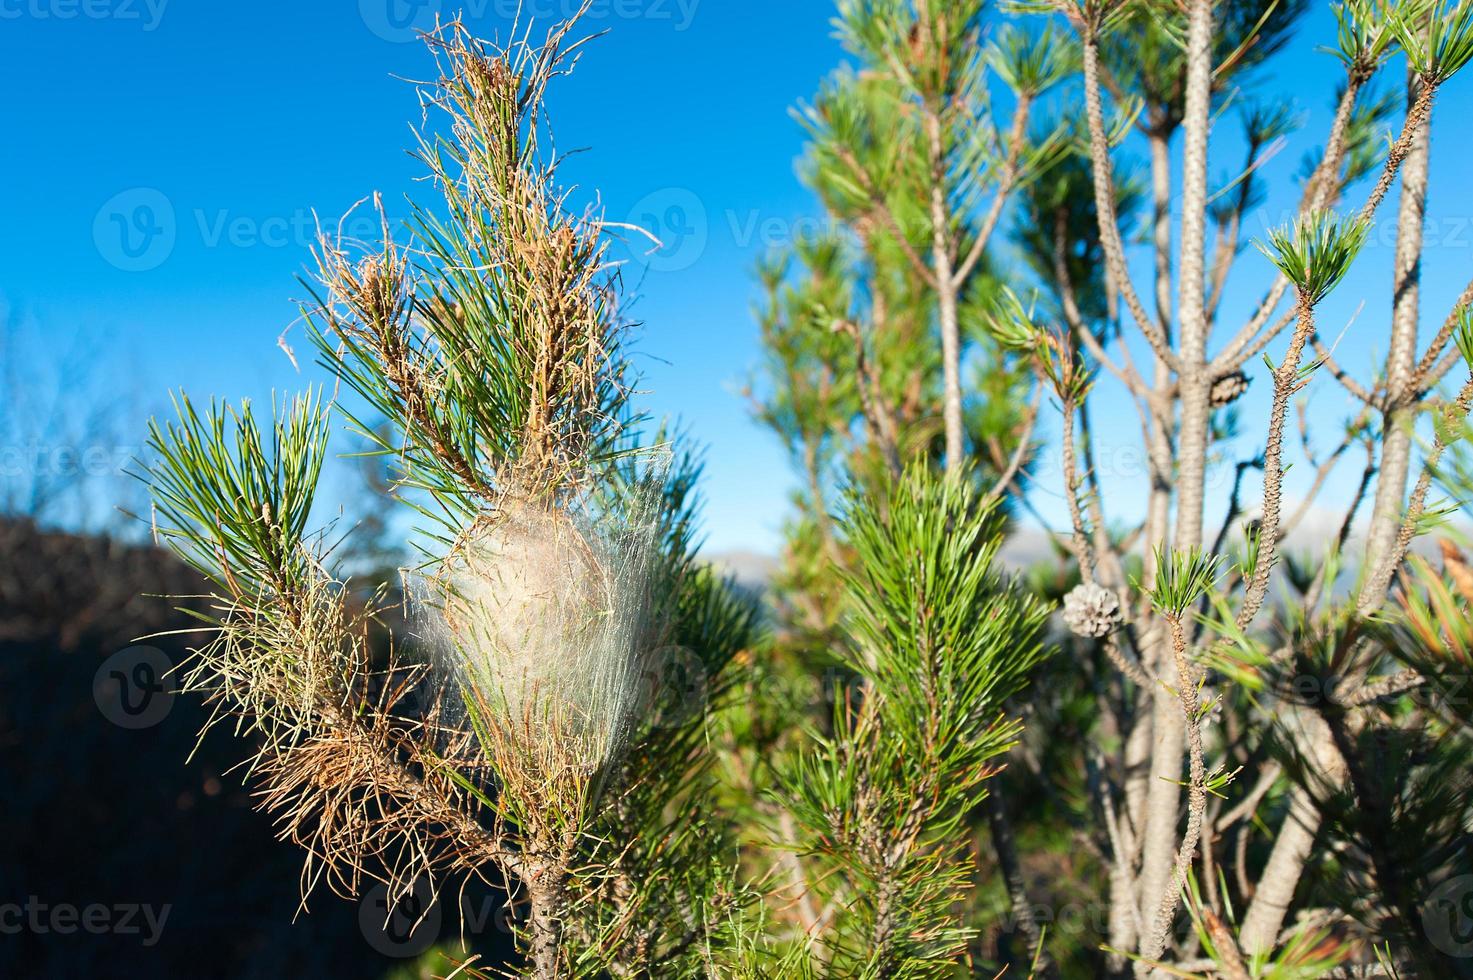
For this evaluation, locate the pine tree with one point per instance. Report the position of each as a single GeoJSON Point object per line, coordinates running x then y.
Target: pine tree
{"type": "Point", "coordinates": [1278, 759]}
{"type": "Point", "coordinates": [537, 727]}
{"type": "Point", "coordinates": [1211, 789]}
{"type": "Point", "coordinates": [1261, 766]}
{"type": "Point", "coordinates": [937, 643]}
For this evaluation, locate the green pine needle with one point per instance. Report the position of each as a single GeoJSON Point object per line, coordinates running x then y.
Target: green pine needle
{"type": "Point", "coordinates": [1437, 37]}
{"type": "Point", "coordinates": [1316, 251]}
{"type": "Point", "coordinates": [1183, 579]}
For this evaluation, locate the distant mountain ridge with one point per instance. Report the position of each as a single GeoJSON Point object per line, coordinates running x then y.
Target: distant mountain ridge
{"type": "Point", "coordinates": [751, 569]}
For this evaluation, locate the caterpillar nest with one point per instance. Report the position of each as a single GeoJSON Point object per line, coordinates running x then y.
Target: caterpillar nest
{"type": "Point", "coordinates": [544, 620]}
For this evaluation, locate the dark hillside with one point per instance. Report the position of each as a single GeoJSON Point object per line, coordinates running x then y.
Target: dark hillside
{"type": "Point", "coordinates": [108, 823]}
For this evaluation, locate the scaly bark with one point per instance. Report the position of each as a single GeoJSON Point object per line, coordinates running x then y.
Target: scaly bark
{"type": "Point", "coordinates": [1295, 841]}
{"type": "Point", "coordinates": [544, 927]}
{"type": "Point", "coordinates": [946, 294]}
{"type": "Point", "coordinates": [1012, 873]}
{"type": "Point", "coordinates": [1159, 858]}
{"type": "Point", "coordinates": [1400, 399]}
{"type": "Point", "coordinates": [1154, 942]}
{"type": "Point", "coordinates": [1274, 895]}
{"type": "Point", "coordinates": [1195, 381]}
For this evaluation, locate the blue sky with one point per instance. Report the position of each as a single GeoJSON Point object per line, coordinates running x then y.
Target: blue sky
{"type": "Point", "coordinates": [164, 159]}
{"type": "Point", "coordinates": [241, 120]}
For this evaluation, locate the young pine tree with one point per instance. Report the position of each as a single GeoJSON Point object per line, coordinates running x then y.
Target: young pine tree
{"type": "Point", "coordinates": [535, 727]}
{"type": "Point", "coordinates": [870, 330]}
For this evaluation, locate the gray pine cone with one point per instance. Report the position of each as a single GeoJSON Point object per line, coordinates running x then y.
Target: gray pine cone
{"type": "Point", "coordinates": [1228, 389]}
{"type": "Point", "coordinates": [1091, 610]}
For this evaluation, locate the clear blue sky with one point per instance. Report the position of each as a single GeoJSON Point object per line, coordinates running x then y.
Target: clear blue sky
{"type": "Point", "coordinates": [247, 117]}
{"type": "Point", "coordinates": [219, 128]}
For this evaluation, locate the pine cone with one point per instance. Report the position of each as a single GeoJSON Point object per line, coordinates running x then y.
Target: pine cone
{"type": "Point", "coordinates": [1228, 389]}
{"type": "Point", "coordinates": [1091, 610]}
